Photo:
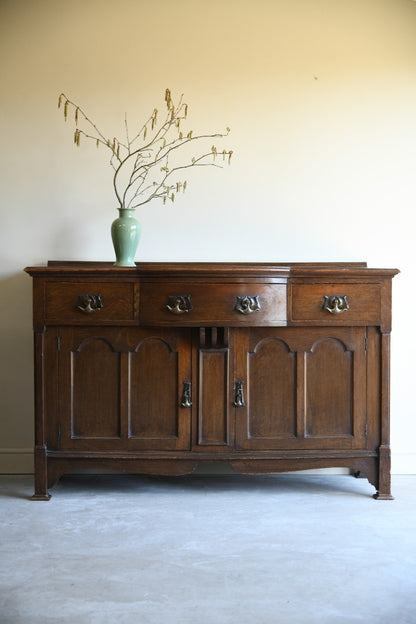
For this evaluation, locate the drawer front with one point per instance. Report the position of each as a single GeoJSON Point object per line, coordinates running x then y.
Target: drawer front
{"type": "Point", "coordinates": [90, 302]}
{"type": "Point", "coordinates": [342, 304]}
{"type": "Point", "coordinates": [213, 304]}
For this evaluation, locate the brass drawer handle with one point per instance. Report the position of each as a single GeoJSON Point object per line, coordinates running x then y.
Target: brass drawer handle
{"type": "Point", "coordinates": [89, 303]}
{"type": "Point", "coordinates": [247, 304]}
{"type": "Point", "coordinates": [335, 304]}
{"type": "Point", "coordinates": [179, 304]}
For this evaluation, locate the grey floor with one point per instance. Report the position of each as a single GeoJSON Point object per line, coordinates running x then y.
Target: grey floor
{"type": "Point", "coordinates": [208, 549]}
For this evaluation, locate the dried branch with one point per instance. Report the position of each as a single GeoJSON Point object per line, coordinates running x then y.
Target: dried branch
{"type": "Point", "coordinates": [133, 164]}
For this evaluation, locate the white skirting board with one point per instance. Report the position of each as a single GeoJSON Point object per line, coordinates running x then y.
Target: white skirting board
{"type": "Point", "coordinates": [16, 460]}
{"type": "Point", "coordinates": [403, 463]}
{"type": "Point", "coordinates": [20, 461]}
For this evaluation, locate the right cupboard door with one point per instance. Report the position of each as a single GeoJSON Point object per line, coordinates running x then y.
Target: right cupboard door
{"type": "Point", "coordinates": [302, 388]}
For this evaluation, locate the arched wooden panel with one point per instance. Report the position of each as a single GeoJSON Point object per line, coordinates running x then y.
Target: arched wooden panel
{"type": "Point", "coordinates": [329, 395]}
{"type": "Point", "coordinates": [272, 390]}
{"type": "Point", "coordinates": [95, 390]}
{"type": "Point", "coordinates": [153, 390]}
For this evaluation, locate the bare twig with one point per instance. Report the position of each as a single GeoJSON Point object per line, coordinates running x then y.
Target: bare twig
{"type": "Point", "coordinates": [133, 163]}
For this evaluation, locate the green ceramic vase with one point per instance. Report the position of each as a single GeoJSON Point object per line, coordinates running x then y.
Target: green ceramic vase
{"type": "Point", "coordinates": [125, 233]}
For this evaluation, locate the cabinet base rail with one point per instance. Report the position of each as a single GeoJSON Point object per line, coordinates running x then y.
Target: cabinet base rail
{"type": "Point", "coordinates": [363, 463]}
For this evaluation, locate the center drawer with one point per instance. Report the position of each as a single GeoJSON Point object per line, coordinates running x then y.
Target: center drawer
{"type": "Point", "coordinates": [212, 304]}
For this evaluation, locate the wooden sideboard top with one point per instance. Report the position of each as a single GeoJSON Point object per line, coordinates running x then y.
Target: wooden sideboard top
{"type": "Point", "coordinates": [213, 269]}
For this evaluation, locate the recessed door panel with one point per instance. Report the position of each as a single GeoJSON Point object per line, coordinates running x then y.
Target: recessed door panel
{"type": "Point", "coordinates": [153, 390]}
{"type": "Point", "coordinates": [95, 390]}
{"type": "Point", "coordinates": [213, 366]}
{"type": "Point", "coordinates": [213, 397]}
{"type": "Point", "coordinates": [271, 390]}
{"type": "Point", "coordinates": [329, 390]}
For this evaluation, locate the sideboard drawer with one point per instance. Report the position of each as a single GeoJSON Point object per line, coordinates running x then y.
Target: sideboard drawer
{"type": "Point", "coordinates": [90, 302]}
{"type": "Point", "coordinates": [336, 303]}
{"type": "Point", "coordinates": [213, 304]}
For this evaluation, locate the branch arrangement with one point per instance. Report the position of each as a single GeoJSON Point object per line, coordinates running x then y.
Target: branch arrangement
{"type": "Point", "coordinates": [144, 165]}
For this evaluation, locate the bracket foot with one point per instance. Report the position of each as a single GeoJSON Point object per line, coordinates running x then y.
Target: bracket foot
{"type": "Point", "coordinates": [379, 496]}
{"type": "Point", "coordinates": [40, 497]}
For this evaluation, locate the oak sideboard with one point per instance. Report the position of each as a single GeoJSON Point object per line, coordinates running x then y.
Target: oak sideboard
{"type": "Point", "coordinates": [157, 368]}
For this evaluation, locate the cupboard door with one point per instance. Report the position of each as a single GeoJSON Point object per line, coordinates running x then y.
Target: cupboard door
{"type": "Point", "coordinates": [304, 388]}
{"type": "Point", "coordinates": [123, 389]}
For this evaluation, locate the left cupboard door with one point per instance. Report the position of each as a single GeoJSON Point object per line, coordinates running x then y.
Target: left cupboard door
{"type": "Point", "coordinates": [122, 389]}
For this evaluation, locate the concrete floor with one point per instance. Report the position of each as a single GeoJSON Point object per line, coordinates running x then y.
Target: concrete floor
{"type": "Point", "coordinates": [208, 549]}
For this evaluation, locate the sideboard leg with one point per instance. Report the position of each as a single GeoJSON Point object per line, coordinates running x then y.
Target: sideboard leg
{"type": "Point", "coordinates": [384, 478]}
{"type": "Point", "coordinates": [41, 472]}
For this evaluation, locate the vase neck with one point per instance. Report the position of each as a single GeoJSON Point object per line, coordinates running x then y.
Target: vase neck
{"type": "Point", "coordinates": [126, 211]}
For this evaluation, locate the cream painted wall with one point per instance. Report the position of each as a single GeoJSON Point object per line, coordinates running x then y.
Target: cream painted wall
{"type": "Point", "coordinates": [321, 99]}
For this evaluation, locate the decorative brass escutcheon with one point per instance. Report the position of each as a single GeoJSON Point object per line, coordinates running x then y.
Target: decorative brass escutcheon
{"type": "Point", "coordinates": [89, 303]}
{"type": "Point", "coordinates": [179, 304]}
{"type": "Point", "coordinates": [335, 304]}
{"type": "Point", "coordinates": [186, 400]}
{"type": "Point", "coordinates": [247, 304]}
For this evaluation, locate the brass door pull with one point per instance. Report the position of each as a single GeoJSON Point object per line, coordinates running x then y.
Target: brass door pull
{"type": "Point", "coordinates": [239, 394]}
{"type": "Point", "coordinates": [186, 400]}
